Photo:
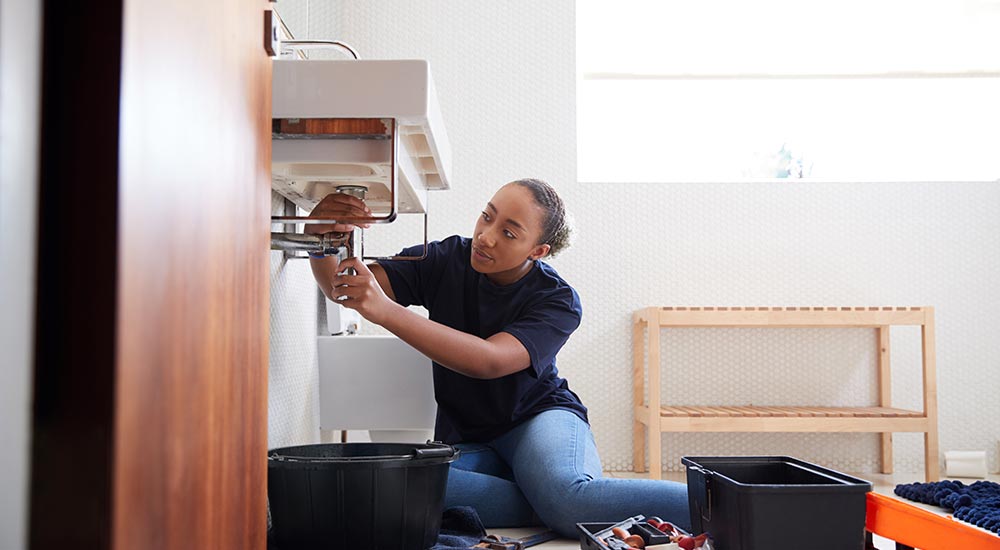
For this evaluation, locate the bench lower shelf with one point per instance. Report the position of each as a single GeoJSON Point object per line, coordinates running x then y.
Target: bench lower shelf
{"type": "Point", "coordinates": [785, 419]}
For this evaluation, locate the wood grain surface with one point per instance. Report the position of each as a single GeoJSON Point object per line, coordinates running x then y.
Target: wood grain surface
{"type": "Point", "coordinates": [149, 426]}
{"type": "Point", "coordinates": [191, 417]}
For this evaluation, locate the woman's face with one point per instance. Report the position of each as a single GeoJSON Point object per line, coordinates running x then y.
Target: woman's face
{"type": "Point", "coordinates": [504, 243]}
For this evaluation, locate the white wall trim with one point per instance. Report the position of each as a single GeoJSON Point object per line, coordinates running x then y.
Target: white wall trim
{"type": "Point", "coordinates": [20, 69]}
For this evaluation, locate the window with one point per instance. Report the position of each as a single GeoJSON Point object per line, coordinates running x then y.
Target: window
{"type": "Point", "coordinates": [730, 90]}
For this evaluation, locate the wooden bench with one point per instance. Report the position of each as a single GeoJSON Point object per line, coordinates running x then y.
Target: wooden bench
{"type": "Point", "coordinates": [652, 417]}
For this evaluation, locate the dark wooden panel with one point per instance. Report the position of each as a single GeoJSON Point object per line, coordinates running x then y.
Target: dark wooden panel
{"type": "Point", "coordinates": [191, 416]}
{"type": "Point", "coordinates": [72, 416]}
{"type": "Point", "coordinates": [149, 425]}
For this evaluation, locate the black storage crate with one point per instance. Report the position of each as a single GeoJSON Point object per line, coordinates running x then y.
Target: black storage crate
{"type": "Point", "coordinates": [768, 502]}
{"type": "Point", "coordinates": [377, 496]}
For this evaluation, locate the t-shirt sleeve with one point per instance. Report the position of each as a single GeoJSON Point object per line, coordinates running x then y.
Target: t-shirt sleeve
{"type": "Point", "coordinates": [413, 281]}
{"type": "Point", "coordinates": [546, 325]}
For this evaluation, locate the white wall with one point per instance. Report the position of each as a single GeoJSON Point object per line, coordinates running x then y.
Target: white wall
{"type": "Point", "coordinates": [293, 378]}
{"type": "Point", "coordinates": [20, 63]}
{"type": "Point", "coordinates": [505, 76]}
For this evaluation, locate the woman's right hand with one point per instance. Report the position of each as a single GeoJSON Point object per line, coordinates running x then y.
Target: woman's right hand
{"type": "Point", "coordinates": [337, 206]}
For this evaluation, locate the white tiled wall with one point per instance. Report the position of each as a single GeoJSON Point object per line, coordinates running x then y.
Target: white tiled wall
{"type": "Point", "coordinates": [505, 76]}
{"type": "Point", "coordinates": [293, 379]}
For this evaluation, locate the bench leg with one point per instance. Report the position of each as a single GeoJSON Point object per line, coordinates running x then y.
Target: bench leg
{"type": "Point", "coordinates": [638, 447]}
{"type": "Point", "coordinates": [655, 451]}
{"type": "Point", "coordinates": [886, 452]}
{"type": "Point", "coordinates": [931, 465]}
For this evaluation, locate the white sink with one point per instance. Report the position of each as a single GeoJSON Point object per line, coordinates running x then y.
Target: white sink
{"type": "Point", "coordinates": [399, 91]}
{"type": "Point", "coordinates": [374, 383]}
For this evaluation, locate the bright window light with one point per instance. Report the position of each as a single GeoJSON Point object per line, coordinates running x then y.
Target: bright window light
{"type": "Point", "coordinates": [728, 90]}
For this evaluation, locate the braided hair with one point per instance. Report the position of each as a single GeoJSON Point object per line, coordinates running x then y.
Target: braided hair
{"type": "Point", "coordinates": [556, 228]}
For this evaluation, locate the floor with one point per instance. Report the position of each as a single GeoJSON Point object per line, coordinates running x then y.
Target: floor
{"type": "Point", "coordinates": [882, 483]}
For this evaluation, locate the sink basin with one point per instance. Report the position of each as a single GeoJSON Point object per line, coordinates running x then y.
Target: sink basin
{"type": "Point", "coordinates": [399, 93]}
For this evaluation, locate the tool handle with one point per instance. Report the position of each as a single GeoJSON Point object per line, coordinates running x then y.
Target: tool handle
{"type": "Point", "coordinates": [625, 524]}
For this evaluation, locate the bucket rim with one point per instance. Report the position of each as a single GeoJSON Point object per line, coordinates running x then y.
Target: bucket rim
{"type": "Point", "coordinates": [421, 451]}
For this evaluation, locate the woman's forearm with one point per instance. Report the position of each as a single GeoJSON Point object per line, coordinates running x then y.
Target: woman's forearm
{"type": "Point", "coordinates": [369, 292]}
{"type": "Point", "coordinates": [324, 270]}
{"type": "Point", "coordinates": [493, 357]}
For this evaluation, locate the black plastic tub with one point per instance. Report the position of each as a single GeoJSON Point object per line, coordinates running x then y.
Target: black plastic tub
{"type": "Point", "coordinates": [768, 502]}
{"type": "Point", "coordinates": [357, 495]}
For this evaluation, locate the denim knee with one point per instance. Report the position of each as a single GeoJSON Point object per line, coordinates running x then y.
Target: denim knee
{"type": "Point", "coordinates": [610, 500]}
{"type": "Point", "coordinates": [563, 512]}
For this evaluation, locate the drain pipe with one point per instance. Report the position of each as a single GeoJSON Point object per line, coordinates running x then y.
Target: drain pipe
{"type": "Point", "coordinates": [343, 244]}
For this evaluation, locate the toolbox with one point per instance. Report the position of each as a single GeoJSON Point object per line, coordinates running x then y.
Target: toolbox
{"type": "Point", "coordinates": [591, 534]}
{"type": "Point", "coordinates": [913, 527]}
{"type": "Point", "coordinates": [768, 502]}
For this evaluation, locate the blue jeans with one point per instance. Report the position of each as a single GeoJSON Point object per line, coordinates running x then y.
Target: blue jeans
{"type": "Point", "coordinates": [547, 471]}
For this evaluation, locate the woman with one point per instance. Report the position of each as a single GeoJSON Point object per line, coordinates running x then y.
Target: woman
{"type": "Point", "coordinates": [497, 317]}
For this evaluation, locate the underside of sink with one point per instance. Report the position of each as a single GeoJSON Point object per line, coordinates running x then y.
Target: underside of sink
{"type": "Point", "coordinates": [340, 122]}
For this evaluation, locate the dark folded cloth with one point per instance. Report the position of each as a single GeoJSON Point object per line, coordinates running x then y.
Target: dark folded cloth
{"type": "Point", "coordinates": [978, 504]}
{"type": "Point", "coordinates": [461, 528]}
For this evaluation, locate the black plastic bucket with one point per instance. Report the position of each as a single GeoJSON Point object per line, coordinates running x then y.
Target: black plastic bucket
{"type": "Point", "coordinates": [768, 502]}
{"type": "Point", "coordinates": [357, 495]}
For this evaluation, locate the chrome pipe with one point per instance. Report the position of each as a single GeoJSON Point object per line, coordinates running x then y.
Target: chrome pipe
{"type": "Point", "coordinates": [316, 45]}
{"type": "Point", "coordinates": [332, 243]}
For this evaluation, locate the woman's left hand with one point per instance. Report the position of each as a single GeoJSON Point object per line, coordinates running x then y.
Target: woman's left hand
{"type": "Point", "coordinates": [361, 292]}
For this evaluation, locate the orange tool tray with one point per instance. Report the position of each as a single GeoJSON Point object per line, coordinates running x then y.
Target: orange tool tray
{"type": "Point", "coordinates": [918, 528]}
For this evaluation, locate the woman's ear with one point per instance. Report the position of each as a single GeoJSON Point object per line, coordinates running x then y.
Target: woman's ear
{"type": "Point", "coordinates": [539, 251]}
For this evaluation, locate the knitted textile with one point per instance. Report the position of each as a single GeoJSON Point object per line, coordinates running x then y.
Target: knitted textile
{"type": "Point", "coordinates": [978, 504]}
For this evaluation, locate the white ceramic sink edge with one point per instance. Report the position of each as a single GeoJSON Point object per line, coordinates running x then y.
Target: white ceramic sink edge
{"type": "Point", "coordinates": [399, 89]}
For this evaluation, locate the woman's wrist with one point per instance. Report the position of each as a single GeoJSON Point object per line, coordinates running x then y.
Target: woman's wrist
{"type": "Point", "coordinates": [389, 312]}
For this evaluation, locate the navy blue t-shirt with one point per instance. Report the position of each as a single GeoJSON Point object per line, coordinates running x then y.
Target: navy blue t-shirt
{"type": "Point", "coordinates": [541, 310]}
